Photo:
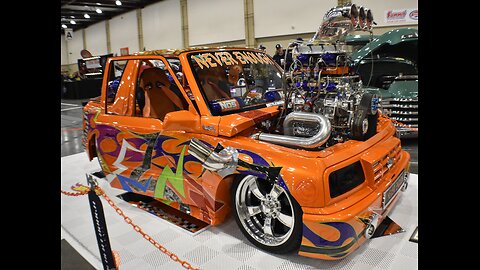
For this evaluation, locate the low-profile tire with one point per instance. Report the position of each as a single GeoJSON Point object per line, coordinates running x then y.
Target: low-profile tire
{"type": "Point", "coordinates": [267, 214]}
{"type": "Point", "coordinates": [364, 125]}
{"type": "Point", "coordinates": [372, 126]}
{"type": "Point", "coordinates": [360, 125]}
{"type": "Point", "coordinates": [365, 118]}
{"type": "Point", "coordinates": [369, 103]}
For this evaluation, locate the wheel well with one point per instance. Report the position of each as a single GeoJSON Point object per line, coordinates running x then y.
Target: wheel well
{"type": "Point", "coordinates": [222, 194]}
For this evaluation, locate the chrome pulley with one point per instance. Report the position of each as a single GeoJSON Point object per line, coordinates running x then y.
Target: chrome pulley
{"type": "Point", "coordinates": [364, 122]}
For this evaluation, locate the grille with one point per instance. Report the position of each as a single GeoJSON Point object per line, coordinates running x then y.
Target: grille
{"type": "Point", "coordinates": [383, 165]}
{"type": "Point", "coordinates": [403, 110]}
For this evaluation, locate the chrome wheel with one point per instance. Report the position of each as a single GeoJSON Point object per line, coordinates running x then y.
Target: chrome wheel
{"type": "Point", "coordinates": [265, 211]}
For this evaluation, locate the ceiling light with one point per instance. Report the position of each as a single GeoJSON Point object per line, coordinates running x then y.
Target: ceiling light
{"type": "Point", "coordinates": [118, 3]}
{"type": "Point", "coordinates": [72, 22]}
{"type": "Point", "coordinates": [64, 26]}
{"type": "Point", "coordinates": [73, 17]}
{"type": "Point", "coordinates": [98, 10]}
{"type": "Point", "coordinates": [86, 16]}
{"type": "Point", "coordinates": [99, 4]}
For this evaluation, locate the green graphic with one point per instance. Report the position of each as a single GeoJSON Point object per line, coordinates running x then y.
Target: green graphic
{"type": "Point", "coordinates": [176, 179]}
{"type": "Point", "coordinates": [96, 115]}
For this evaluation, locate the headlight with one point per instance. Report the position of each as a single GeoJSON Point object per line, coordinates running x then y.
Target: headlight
{"type": "Point", "coordinates": [345, 179]}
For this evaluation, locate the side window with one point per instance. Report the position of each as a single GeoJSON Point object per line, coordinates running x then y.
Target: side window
{"type": "Point", "coordinates": [177, 68]}
{"type": "Point", "coordinates": [116, 71]}
{"type": "Point", "coordinates": [157, 93]}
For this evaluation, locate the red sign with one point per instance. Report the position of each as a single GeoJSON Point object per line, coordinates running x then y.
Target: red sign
{"type": "Point", "coordinates": [396, 15]}
{"type": "Point", "coordinates": [413, 15]}
{"type": "Point", "coordinates": [408, 15]}
{"type": "Point", "coordinates": [124, 51]}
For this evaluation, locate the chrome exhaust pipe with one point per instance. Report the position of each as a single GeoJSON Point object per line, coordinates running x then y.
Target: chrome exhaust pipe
{"type": "Point", "coordinates": [353, 14]}
{"type": "Point", "coordinates": [288, 139]}
{"type": "Point", "coordinates": [371, 226]}
{"type": "Point", "coordinates": [362, 19]}
{"type": "Point", "coordinates": [369, 19]}
{"type": "Point", "coordinates": [224, 162]}
{"type": "Point", "coordinates": [339, 21]}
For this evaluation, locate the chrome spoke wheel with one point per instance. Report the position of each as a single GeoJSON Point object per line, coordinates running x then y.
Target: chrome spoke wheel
{"type": "Point", "coordinates": [255, 191]}
{"type": "Point", "coordinates": [264, 210]}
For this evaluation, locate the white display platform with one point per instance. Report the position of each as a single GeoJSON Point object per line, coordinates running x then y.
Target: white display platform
{"type": "Point", "coordinates": [217, 247]}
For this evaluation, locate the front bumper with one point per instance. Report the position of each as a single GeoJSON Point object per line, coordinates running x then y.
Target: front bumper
{"type": "Point", "coordinates": [334, 236]}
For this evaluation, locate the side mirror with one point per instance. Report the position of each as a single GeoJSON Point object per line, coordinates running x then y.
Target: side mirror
{"type": "Point", "coordinates": [181, 120]}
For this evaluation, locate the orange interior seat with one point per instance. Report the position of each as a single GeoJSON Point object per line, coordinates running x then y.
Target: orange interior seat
{"type": "Point", "coordinates": [159, 98]}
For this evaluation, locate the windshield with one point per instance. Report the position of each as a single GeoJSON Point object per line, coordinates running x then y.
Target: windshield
{"type": "Point", "coordinates": [237, 80]}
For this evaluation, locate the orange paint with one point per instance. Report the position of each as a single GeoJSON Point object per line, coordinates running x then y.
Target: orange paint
{"type": "Point", "coordinates": [108, 145]}
{"type": "Point", "coordinates": [206, 194]}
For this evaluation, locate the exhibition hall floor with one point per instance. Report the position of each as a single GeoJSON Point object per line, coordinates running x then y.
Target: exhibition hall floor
{"type": "Point", "coordinates": [214, 247]}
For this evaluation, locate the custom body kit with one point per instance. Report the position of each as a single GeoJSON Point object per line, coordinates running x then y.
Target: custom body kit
{"type": "Point", "coordinates": [234, 142]}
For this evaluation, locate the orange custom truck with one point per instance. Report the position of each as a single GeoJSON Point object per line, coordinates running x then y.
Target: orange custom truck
{"type": "Point", "coordinates": [214, 131]}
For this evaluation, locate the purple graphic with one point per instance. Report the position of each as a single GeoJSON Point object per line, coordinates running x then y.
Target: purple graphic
{"type": "Point", "coordinates": [345, 229]}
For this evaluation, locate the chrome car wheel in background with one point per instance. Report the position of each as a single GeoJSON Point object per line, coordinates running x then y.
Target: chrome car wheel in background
{"type": "Point", "coordinates": [267, 214]}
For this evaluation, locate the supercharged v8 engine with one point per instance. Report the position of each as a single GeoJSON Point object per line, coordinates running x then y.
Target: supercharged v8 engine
{"type": "Point", "coordinates": [320, 80]}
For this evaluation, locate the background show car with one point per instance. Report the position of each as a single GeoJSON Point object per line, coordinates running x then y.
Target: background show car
{"type": "Point", "coordinates": [218, 131]}
{"type": "Point", "coordinates": [387, 65]}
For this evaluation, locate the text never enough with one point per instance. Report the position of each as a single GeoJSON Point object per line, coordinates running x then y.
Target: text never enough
{"type": "Point", "coordinates": [210, 60]}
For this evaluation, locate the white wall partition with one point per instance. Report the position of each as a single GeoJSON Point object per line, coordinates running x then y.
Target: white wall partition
{"type": "Point", "coordinates": [124, 32]}
{"type": "Point", "coordinates": [390, 13]}
{"type": "Point", "coordinates": [64, 53]}
{"type": "Point", "coordinates": [286, 17]}
{"type": "Point", "coordinates": [75, 46]}
{"type": "Point", "coordinates": [96, 39]}
{"type": "Point", "coordinates": [222, 22]}
{"type": "Point", "coordinates": [212, 21]}
{"type": "Point", "coordinates": [162, 25]}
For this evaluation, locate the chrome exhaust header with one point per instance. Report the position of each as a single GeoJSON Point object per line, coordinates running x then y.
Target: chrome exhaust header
{"type": "Point", "coordinates": [288, 139]}
{"type": "Point", "coordinates": [339, 21]}
{"type": "Point", "coordinates": [223, 162]}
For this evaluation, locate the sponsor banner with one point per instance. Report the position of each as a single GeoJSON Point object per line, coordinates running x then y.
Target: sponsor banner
{"type": "Point", "coordinates": [93, 63]}
{"type": "Point", "coordinates": [401, 15]}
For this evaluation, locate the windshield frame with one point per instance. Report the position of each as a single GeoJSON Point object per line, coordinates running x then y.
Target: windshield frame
{"type": "Point", "coordinates": [265, 104]}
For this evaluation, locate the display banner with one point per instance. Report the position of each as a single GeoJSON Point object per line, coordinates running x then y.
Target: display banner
{"type": "Point", "coordinates": [401, 15]}
{"type": "Point", "coordinates": [93, 63]}
{"type": "Point", "coordinates": [100, 225]}
{"type": "Point", "coordinates": [124, 51]}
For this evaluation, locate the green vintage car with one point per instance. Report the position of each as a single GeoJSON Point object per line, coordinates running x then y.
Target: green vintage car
{"type": "Point", "coordinates": [387, 65]}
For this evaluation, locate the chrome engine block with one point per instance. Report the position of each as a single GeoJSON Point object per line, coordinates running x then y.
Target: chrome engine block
{"type": "Point", "coordinates": [321, 80]}
{"type": "Point", "coordinates": [325, 102]}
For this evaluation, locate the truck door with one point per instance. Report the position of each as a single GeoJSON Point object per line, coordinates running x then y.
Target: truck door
{"type": "Point", "coordinates": [137, 153]}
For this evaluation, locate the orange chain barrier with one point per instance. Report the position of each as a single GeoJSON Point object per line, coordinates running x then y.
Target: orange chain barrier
{"type": "Point", "coordinates": [116, 258]}
{"type": "Point", "coordinates": [84, 190]}
{"type": "Point", "coordinates": [80, 193]}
